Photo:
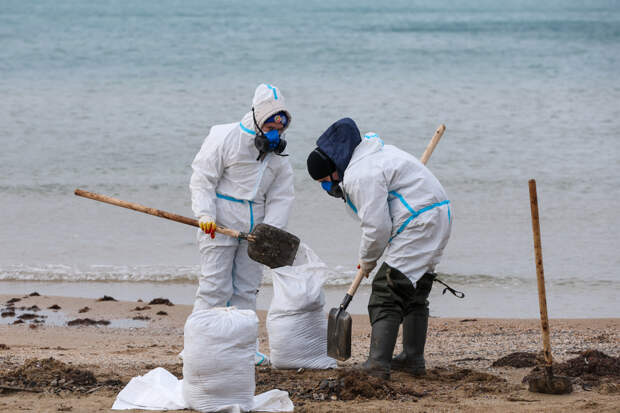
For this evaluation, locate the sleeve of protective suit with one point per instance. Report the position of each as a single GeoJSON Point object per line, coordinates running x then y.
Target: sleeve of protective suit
{"type": "Point", "coordinates": [370, 195]}
{"type": "Point", "coordinates": [279, 197]}
{"type": "Point", "coordinates": [207, 167]}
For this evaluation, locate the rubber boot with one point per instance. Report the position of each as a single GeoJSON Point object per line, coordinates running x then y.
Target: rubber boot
{"type": "Point", "coordinates": [382, 342]}
{"type": "Point", "coordinates": [411, 360]}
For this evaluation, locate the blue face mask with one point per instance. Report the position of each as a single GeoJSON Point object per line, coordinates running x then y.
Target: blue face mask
{"type": "Point", "coordinates": [327, 185]}
{"type": "Point", "coordinates": [333, 189]}
{"type": "Point", "coordinates": [273, 136]}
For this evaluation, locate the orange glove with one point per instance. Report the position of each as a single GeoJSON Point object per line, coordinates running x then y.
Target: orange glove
{"type": "Point", "coordinates": [207, 224]}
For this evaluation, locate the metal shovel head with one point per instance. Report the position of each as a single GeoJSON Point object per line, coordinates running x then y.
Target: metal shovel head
{"type": "Point", "coordinates": [273, 246]}
{"type": "Point", "coordinates": [339, 325]}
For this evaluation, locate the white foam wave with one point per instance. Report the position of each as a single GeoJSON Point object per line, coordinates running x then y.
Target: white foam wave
{"type": "Point", "coordinates": [339, 276]}
{"type": "Point", "coordinates": [59, 272]}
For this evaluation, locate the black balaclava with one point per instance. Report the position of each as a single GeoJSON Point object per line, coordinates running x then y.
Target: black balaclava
{"type": "Point", "coordinates": [319, 165]}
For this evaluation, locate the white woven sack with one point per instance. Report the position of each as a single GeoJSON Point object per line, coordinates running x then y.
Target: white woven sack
{"type": "Point", "coordinates": [296, 322]}
{"type": "Point", "coordinates": [218, 359]}
{"type": "Point", "coordinates": [299, 287]}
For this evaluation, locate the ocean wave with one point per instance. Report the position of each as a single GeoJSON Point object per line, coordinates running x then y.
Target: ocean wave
{"type": "Point", "coordinates": [336, 277]}
{"type": "Point", "coordinates": [131, 273]}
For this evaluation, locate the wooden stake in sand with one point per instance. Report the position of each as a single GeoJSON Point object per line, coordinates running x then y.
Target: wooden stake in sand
{"type": "Point", "coordinates": [547, 384]}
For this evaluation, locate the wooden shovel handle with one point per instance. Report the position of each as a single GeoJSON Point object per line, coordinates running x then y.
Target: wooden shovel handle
{"type": "Point", "coordinates": [356, 282]}
{"type": "Point", "coordinates": [431, 146]}
{"type": "Point", "coordinates": [540, 274]}
{"type": "Point", "coordinates": [155, 212]}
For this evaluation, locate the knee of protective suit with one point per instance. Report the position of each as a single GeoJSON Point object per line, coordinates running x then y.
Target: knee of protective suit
{"type": "Point", "coordinates": [243, 302]}
{"type": "Point", "coordinates": [209, 301]}
{"type": "Point", "coordinates": [213, 291]}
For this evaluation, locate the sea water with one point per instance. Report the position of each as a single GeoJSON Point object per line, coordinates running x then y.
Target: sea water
{"type": "Point", "coordinates": [116, 97]}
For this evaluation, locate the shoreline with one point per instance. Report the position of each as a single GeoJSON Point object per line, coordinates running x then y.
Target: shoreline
{"type": "Point", "coordinates": [456, 347]}
{"type": "Point", "coordinates": [488, 301]}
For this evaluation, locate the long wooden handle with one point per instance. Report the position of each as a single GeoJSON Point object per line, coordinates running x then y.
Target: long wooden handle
{"type": "Point", "coordinates": [540, 274]}
{"type": "Point", "coordinates": [155, 212]}
{"type": "Point", "coordinates": [356, 282]}
{"type": "Point", "coordinates": [431, 146]}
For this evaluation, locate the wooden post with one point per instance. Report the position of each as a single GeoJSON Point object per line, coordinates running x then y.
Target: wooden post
{"type": "Point", "coordinates": [540, 274]}
{"type": "Point", "coordinates": [434, 141]}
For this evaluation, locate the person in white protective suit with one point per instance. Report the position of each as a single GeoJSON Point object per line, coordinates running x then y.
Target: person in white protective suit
{"type": "Point", "coordinates": [405, 215]}
{"type": "Point", "coordinates": [240, 178]}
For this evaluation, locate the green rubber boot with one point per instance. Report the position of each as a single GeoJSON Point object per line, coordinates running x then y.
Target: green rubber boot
{"type": "Point", "coordinates": [382, 342]}
{"type": "Point", "coordinates": [411, 360]}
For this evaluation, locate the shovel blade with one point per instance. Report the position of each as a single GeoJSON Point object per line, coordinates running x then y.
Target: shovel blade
{"type": "Point", "coordinates": [339, 325]}
{"type": "Point", "coordinates": [273, 246]}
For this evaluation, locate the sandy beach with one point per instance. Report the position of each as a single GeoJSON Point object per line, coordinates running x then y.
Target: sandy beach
{"type": "Point", "coordinates": [48, 366]}
{"type": "Point", "coordinates": [131, 99]}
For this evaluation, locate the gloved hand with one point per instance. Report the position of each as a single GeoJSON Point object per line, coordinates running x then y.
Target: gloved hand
{"type": "Point", "coordinates": [207, 224]}
{"type": "Point", "coordinates": [367, 267]}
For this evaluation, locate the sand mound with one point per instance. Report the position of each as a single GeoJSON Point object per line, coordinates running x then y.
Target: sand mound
{"type": "Point", "coordinates": [519, 359]}
{"type": "Point", "coordinates": [87, 322]}
{"type": "Point", "coordinates": [319, 385]}
{"type": "Point", "coordinates": [591, 362]}
{"type": "Point", "coordinates": [451, 375]}
{"type": "Point", "coordinates": [162, 301]}
{"type": "Point", "coordinates": [355, 384]}
{"type": "Point", "coordinates": [48, 373]}
{"type": "Point", "coordinates": [591, 366]}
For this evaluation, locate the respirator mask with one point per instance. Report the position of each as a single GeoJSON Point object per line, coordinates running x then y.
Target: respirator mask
{"type": "Point", "coordinates": [269, 141]}
{"type": "Point", "coordinates": [333, 188]}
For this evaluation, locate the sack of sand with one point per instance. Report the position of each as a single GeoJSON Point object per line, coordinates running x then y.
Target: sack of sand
{"type": "Point", "coordinates": [218, 359]}
{"type": "Point", "coordinates": [296, 322]}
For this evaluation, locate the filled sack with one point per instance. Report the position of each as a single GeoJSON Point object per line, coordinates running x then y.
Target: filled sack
{"type": "Point", "coordinates": [218, 359]}
{"type": "Point", "coordinates": [296, 322]}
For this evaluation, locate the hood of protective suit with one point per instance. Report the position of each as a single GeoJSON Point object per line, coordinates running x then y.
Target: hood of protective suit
{"type": "Point", "coordinates": [267, 101]}
{"type": "Point", "coordinates": [339, 141]}
{"type": "Point", "coordinates": [370, 144]}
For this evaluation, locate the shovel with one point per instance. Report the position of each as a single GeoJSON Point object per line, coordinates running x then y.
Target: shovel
{"type": "Point", "coordinates": [267, 244]}
{"type": "Point", "coordinates": [548, 384]}
{"type": "Point", "coordinates": [339, 322]}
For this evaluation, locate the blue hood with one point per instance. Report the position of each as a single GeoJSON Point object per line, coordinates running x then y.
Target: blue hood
{"type": "Point", "coordinates": [339, 141]}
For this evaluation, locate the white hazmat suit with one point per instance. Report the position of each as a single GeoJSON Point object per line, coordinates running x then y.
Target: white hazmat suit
{"type": "Point", "coordinates": [403, 208]}
{"type": "Point", "coordinates": [229, 184]}
{"type": "Point", "coordinates": [405, 216]}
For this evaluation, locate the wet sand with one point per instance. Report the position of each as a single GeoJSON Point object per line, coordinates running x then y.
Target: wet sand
{"type": "Point", "coordinates": [96, 361]}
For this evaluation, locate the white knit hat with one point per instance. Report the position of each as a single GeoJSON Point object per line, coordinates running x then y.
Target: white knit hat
{"type": "Point", "coordinates": [268, 101]}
